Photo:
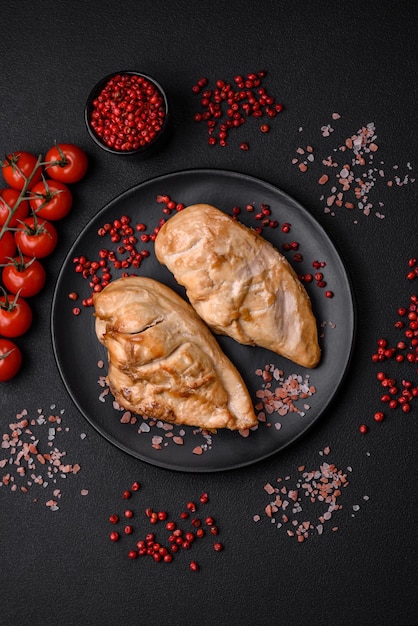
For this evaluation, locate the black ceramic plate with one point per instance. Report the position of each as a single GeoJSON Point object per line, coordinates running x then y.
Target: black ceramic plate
{"type": "Point", "coordinates": [78, 353]}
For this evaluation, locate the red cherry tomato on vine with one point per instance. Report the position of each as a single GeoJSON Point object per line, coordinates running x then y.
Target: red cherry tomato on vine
{"type": "Point", "coordinates": [25, 275]}
{"type": "Point", "coordinates": [18, 166]}
{"type": "Point", "coordinates": [68, 163]}
{"type": "Point", "coordinates": [15, 316]}
{"type": "Point", "coordinates": [7, 247]}
{"type": "Point", "coordinates": [10, 359]}
{"type": "Point", "coordinates": [36, 237]}
{"type": "Point", "coordinates": [8, 199]}
{"type": "Point", "coordinates": [51, 199]}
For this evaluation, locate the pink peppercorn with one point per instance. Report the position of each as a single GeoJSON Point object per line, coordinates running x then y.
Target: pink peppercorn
{"type": "Point", "coordinates": [128, 113]}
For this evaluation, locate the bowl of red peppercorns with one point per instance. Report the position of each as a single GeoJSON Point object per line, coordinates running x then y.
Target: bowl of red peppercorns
{"type": "Point", "coordinates": [127, 113]}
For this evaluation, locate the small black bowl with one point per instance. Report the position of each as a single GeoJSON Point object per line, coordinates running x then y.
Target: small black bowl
{"type": "Point", "coordinates": [146, 144]}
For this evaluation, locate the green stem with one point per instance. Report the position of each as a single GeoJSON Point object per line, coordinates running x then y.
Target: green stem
{"type": "Point", "coordinates": [22, 194]}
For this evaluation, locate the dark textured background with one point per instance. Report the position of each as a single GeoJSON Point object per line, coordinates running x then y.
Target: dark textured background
{"type": "Point", "coordinates": [357, 59]}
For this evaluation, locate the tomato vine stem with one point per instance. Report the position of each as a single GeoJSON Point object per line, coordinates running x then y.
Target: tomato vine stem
{"type": "Point", "coordinates": [22, 195]}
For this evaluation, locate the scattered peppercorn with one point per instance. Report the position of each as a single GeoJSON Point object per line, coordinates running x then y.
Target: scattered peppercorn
{"type": "Point", "coordinates": [163, 550]}
{"type": "Point", "coordinates": [404, 350]}
{"type": "Point", "coordinates": [228, 106]}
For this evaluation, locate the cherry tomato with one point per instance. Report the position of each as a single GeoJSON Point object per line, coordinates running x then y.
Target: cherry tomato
{"type": "Point", "coordinates": [36, 237]}
{"type": "Point", "coordinates": [69, 163]}
{"type": "Point", "coordinates": [8, 199]}
{"type": "Point", "coordinates": [7, 247]}
{"type": "Point", "coordinates": [25, 275]}
{"type": "Point", "coordinates": [51, 199]}
{"type": "Point", "coordinates": [10, 359]}
{"type": "Point", "coordinates": [18, 166]}
{"type": "Point", "coordinates": [15, 316]}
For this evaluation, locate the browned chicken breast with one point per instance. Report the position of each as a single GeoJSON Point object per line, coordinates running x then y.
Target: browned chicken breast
{"type": "Point", "coordinates": [238, 283]}
{"type": "Point", "coordinates": [164, 362]}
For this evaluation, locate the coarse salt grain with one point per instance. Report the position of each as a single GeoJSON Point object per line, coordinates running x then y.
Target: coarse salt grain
{"type": "Point", "coordinates": [358, 151]}
{"type": "Point", "coordinates": [126, 417]}
{"type": "Point", "coordinates": [281, 399]}
{"type": "Point", "coordinates": [320, 488]}
{"type": "Point", "coordinates": [25, 441]}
